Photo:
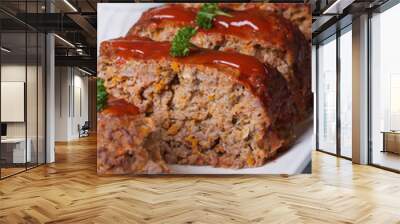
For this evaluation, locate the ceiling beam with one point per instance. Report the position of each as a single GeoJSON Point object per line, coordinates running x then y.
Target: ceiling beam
{"type": "Point", "coordinates": [49, 22]}
{"type": "Point", "coordinates": [337, 7]}
{"type": "Point", "coordinates": [79, 61]}
{"type": "Point", "coordinates": [84, 24]}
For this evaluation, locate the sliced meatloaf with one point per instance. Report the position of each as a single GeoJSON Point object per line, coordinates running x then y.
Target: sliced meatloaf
{"type": "Point", "coordinates": [125, 141]}
{"type": "Point", "coordinates": [267, 36]}
{"type": "Point", "coordinates": [210, 108]}
{"type": "Point", "coordinates": [298, 13]}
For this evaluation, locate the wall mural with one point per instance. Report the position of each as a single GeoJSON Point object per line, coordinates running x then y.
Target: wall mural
{"type": "Point", "coordinates": [205, 88]}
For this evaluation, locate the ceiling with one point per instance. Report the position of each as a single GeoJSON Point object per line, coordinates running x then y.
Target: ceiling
{"type": "Point", "coordinates": [76, 21]}
{"type": "Point", "coordinates": [330, 15]}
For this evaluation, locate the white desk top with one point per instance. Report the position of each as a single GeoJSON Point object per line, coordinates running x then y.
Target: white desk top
{"type": "Point", "coordinates": [13, 140]}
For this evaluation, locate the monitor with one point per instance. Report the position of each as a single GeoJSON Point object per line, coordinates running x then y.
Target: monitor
{"type": "Point", "coordinates": [3, 129]}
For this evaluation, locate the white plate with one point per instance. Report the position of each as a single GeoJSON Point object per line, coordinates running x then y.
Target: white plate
{"type": "Point", "coordinates": [115, 19]}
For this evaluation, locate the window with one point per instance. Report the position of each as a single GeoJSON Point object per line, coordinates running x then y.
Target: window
{"type": "Point", "coordinates": [346, 75]}
{"type": "Point", "coordinates": [329, 111]}
{"type": "Point", "coordinates": [327, 96]}
{"type": "Point", "coordinates": [22, 88]}
{"type": "Point", "coordinates": [385, 89]}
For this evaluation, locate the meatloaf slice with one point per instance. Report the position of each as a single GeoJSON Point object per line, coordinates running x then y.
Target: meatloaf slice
{"type": "Point", "coordinates": [210, 108]}
{"type": "Point", "coordinates": [267, 36]}
{"type": "Point", "coordinates": [125, 142]}
{"type": "Point", "coordinates": [298, 13]}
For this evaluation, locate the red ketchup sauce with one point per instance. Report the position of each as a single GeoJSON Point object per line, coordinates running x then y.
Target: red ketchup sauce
{"type": "Point", "coordinates": [176, 13]}
{"type": "Point", "coordinates": [251, 73]}
{"type": "Point", "coordinates": [250, 69]}
{"type": "Point", "coordinates": [119, 107]}
{"type": "Point", "coordinates": [248, 24]}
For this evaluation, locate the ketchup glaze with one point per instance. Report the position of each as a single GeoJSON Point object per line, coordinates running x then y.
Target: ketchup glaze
{"type": "Point", "coordinates": [248, 24]}
{"type": "Point", "coordinates": [119, 107]}
{"type": "Point", "coordinates": [262, 80]}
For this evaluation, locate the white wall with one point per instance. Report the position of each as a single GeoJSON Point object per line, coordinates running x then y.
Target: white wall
{"type": "Point", "coordinates": [71, 102]}
{"type": "Point", "coordinates": [33, 127]}
{"type": "Point", "coordinates": [61, 103]}
{"type": "Point", "coordinates": [12, 73]}
{"type": "Point", "coordinates": [80, 110]}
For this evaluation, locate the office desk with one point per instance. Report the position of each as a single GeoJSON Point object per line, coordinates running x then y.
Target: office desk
{"type": "Point", "coordinates": [13, 150]}
{"type": "Point", "coordinates": [391, 141]}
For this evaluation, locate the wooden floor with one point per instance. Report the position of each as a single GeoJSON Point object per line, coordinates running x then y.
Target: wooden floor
{"type": "Point", "coordinates": [69, 191]}
{"type": "Point", "coordinates": [10, 171]}
{"type": "Point", "coordinates": [387, 159]}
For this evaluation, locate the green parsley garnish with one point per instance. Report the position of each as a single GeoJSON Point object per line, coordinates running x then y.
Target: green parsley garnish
{"type": "Point", "coordinates": [181, 42]}
{"type": "Point", "coordinates": [207, 13]}
{"type": "Point", "coordinates": [101, 95]}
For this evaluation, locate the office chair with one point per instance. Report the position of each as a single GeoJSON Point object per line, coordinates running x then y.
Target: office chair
{"type": "Point", "coordinates": [84, 130]}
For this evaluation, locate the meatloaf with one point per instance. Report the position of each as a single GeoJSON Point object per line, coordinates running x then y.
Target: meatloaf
{"type": "Point", "coordinates": [125, 141]}
{"type": "Point", "coordinates": [298, 13]}
{"type": "Point", "coordinates": [269, 37]}
{"type": "Point", "coordinates": [215, 108]}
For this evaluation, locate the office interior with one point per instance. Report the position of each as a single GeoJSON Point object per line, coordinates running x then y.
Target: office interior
{"type": "Point", "coordinates": [375, 88]}
{"type": "Point", "coordinates": [45, 97]}
{"type": "Point", "coordinates": [48, 118]}
{"type": "Point", "coordinates": [48, 80]}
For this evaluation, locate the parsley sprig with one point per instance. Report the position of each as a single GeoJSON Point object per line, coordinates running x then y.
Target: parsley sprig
{"type": "Point", "coordinates": [181, 42]}
{"type": "Point", "coordinates": [101, 95]}
{"type": "Point", "coordinates": [207, 13]}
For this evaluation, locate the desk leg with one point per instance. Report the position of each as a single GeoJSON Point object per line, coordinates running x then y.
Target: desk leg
{"type": "Point", "coordinates": [384, 142]}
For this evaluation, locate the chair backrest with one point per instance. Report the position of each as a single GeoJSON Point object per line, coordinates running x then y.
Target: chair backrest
{"type": "Point", "coordinates": [86, 125]}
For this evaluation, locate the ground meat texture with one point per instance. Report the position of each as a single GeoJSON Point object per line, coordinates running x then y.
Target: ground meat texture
{"type": "Point", "coordinates": [209, 108]}
{"type": "Point", "coordinates": [125, 142]}
{"type": "Point", "coordinates": [272, 39]}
